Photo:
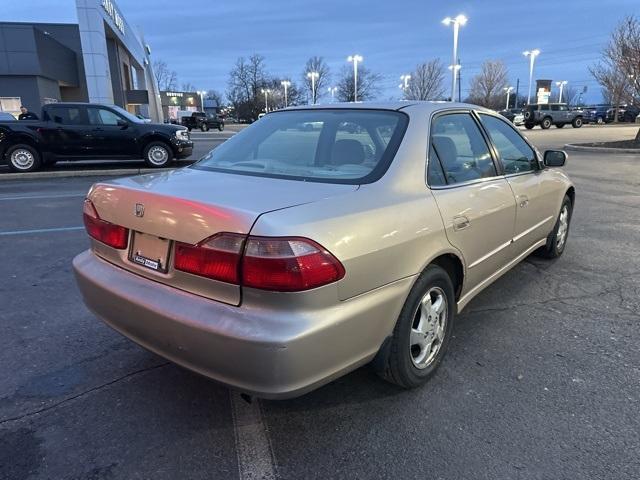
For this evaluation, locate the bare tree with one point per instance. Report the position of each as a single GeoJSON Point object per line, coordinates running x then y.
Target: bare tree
{"type": "Point", "coordinates": [165, 78]}
{"type": "Point", "coordinates": [247, 79]}
{"type": "Point", "coordinates": [427, 81]}
{"type": "Point", "coordinates": [487, 87]}
{"type": "Point", "coordinates": [618, 71]}
{"type": "Point", "coordinates": [189, 87]}
{"type": "Point", "coordinates": [214, 95]}
{"type": "Point", "coordinates": [321, 82]}
{"type": "Point", "coordinates": [368, 84]}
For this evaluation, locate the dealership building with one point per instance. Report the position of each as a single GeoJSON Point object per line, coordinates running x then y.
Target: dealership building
{"type": "Point", "coordinates": [99, 59]}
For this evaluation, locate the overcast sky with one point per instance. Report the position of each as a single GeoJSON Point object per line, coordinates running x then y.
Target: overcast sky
{"type": "Point", "coordinates": [201, 39]}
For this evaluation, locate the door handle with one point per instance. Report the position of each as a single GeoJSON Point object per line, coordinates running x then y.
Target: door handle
{"type": "Point", "coordinates": [460, 222]}
{"type": "Point", "coordinates": [523, 201]}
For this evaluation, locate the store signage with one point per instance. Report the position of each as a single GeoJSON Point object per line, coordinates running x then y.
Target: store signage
{"type": "Point", "coordinates": [110, 8]}
{"type": "Point", "coordinates": [174, 94]}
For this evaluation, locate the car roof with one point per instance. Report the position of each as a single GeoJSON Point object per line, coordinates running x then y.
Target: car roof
{"type": "Point", "coordinates": [423, 107]}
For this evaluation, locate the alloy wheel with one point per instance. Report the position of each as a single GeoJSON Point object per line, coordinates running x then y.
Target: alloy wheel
{"type": "Point", "coordinates": [158, 155]}
{"type": "Point", "coordinates": [429, 327]}
{"type": "Point", "coordinates": [563, 228]}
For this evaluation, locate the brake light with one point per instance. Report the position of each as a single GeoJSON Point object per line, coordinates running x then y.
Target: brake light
{"type": "Point", "coordinates": [217, 257]}
{"type": "Point", "coordinates": [268, 263]}
{"type": "Point", "coordinates": [108, 233]}
{"type": "Point", "coordinates": [288, 264]}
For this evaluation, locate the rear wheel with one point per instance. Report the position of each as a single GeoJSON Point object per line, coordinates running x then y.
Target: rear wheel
{"type": "Point", "coordinates": [221, 126]}
{"type": "Point", "coordinates": [23, 158]}
{"type": "Point", "coordinates": [204, 127]}
{"type": "Point", "coordinates": [423, 330]}
{"type": "Point", "coordinates": [157, 154]}
{"type": "Point", "coordinates": [557, 239]}
{"type": "Point", "coordinates": [546, 123]}
{"type": "Point", "coordinates": [577, 122]}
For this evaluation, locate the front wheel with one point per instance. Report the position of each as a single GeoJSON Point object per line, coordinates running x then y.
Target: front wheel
{"type": "Point", "coordinates": [221, 127]}
{"type": "Point", "coordinates": [23, 158]}
{"type": "Point", "coordinates": [599, 120]}
{"type": "Point", "coordinates": [157, 154]}
{"type": "Point", "coordinates": [546, 123]}
{"type": "Point", "coordinates": [557, 239]}
{"type": "Point", "coordinates": [577, 122]}
{"type": "Point", "coordinates": [423, 330]}
{"type": "Point", "coordinates": [204, 127]}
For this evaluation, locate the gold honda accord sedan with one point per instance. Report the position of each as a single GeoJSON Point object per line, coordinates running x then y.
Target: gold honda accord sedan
{"type": "Point", "coordinates": [320, 239]}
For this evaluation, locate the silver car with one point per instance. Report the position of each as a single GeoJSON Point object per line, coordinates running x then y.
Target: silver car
{"type": "Point", "coordinates": [290, 255]}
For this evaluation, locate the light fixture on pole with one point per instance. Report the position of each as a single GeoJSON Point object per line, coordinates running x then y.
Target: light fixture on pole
{"type": "Point", "coordinates": [332, 91]}
{"type": "Point", "coordinates": [508, 90]}
{"type": "Point", "coordinates": [266, 93]}
{"type": "Point", "coordinates": [286, 84]}
{"type": "Point", "coordinates": [561, 85]}
{"type": "Point", "coordinates": [313, 76]}
{"type": "Point", "coordinates": [355, 59]}
{"type": "Point", "coordinates": [457, 22]}
{"type": "Point", "coordinates": [405, 83]}
{"type": "Point", "coordinates": [532, 54]}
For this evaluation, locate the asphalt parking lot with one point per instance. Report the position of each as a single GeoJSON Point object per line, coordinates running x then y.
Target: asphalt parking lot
{"type": "Point", "coordinates": [542, 379]}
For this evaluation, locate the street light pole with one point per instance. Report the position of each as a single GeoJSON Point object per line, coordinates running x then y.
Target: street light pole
{"type": "Point", "coordinates": [532, 54]}
{"type": "Point", "coordinates": [355, 59]}
{"type": "Point", "coordinates": [332, 91]}
{"type": "Point", "coordinates": [201, 93]}
{"type": "Point", "coordinates": [460, 20]}
{"type": "Point", "coordinates": [561, 85]}
{"type": "Point", "coordinates": [266, 99]}
{"type": "Point", "coordinates": [285, 84]}
{"type": "Point", "coordinates": [405, 83]}
{"type": "Point", "coordinates": [508, 90]}
{"type": "Point", "coordinates": [313, 76]}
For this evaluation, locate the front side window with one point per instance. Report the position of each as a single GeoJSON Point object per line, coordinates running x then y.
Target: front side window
{"type": "Point", "coordinates": [102, 116]}
{"type": "Point", "coordinates": [335, 146]}
{"type": "Point", "coordinates": [515, 154]}
{"type": "Point", "coordinates": [461, 148]}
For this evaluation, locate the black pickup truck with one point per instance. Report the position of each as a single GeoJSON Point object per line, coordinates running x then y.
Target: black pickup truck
{"type": "Point", "coordinates": [87, 131]}
{"type": "Point", "coordinates": [203, 121]}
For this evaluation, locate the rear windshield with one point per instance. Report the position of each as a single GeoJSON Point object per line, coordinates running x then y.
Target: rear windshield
{"type": "Point", "coordinates": [333, 146]}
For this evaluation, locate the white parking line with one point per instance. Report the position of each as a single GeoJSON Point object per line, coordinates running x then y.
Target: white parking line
{"type": "Point", "coordinates": [30, 197]}
{"type": "Point", "coordinates": [39, 230]}
{"type": "Point", "coordinates": [253, 449]}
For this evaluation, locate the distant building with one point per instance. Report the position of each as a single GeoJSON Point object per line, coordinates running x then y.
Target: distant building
{"type": "Point", "coordinates": [100, 59]}
{"type": "Point", "coordinates": [175, 101]}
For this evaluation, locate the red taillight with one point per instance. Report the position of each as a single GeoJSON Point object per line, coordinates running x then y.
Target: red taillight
{"type": "Point", "coordinates": [217, 257]}
{"type": "Point", "coordinates": [279, 264]}
{"type": "Point", "coordinates": [288, 264]}
{"type": "Point", "coordinates": [108, 233]}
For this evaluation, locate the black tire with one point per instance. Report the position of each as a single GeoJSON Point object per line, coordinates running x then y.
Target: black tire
{"type": "Point", "coordinates": [600, 120]}
{"type": "Point", "coordinates": [152, 156]}
{"type": "Point", "coordinates": [399, 366]}
{"type": "Point", "coordinates": [577, 122]}
{"type": "Point", "coordinates": [553, 249]}
{"type": "Point", "coordinates": [189, 129]}
{"type": "Point", "coordinates": [23, 158]}
{"type": "Point", "coordinates": [204, 127]}
{"type": "Point", "coordinates": [220, 127]}
{"type": "Point", "coordinates": [559, 125]}
{"type": "Point", "coordinates": [529, 126]}
{"type": "Point", "coordinates": [546, 123]}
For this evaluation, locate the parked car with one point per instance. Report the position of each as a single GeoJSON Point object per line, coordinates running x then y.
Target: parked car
{"type": "Point", "coordinates": [281, 261]}
{"type": "Point", "coordinates": [545, 115]}
{"type": "Point", "coordinates": [6, 117]}
{"type": "Point", "coordinates": [626, 113]}
{"type": "Point", "coordinates": [595, 114]}
{"type": "Point", "coordinates": [514, 115]}
{"type": "Point", "coordinates": [203, 121]}
{"type": "Point", "coordinates": [81, 131]}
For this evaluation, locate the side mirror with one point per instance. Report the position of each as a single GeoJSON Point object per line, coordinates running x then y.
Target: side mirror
{"type": "Point", "coordinates": [555, 158]}
{"type": "Point", "coordinates": [123, 123]}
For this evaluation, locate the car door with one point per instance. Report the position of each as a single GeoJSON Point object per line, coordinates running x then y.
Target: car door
{"type": "Point", "coordinates": [475, 201]}
{"type": "Point", "coordinates": [113, 135]}
{"type": "Point", "coordinates": [67, 133]}
{"type": "Point", "coordinates": [532, 187]}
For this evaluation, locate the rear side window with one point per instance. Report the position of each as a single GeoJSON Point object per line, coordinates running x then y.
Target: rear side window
{"type": "Point", "coordinates": [334, 146]}
{"type": "Point", "coordinates": [461, 148]}
{"type": "Point", "coordinates": [67, 115]}
{"type": "Point", "coordinates": [435, 174]}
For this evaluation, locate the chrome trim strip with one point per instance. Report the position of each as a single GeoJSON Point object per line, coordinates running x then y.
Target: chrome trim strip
{"type": "Point", "coordinates": [531, 229]}
{"type": "Point", "coordinates": [491, 253]}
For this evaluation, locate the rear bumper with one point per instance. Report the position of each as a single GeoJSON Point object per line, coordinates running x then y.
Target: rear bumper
{"type": "Point", "coordinates": [267, 352]}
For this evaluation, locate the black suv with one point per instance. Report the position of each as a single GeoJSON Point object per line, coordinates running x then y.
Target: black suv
{"type": "Point", "coordinates": [548, 114]}
{"type": "Point", "coordinates": [203, 121]}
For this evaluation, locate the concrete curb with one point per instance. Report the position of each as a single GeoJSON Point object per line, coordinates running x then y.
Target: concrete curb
{"type": "Point", "coordinates": [584, 148]}
{"type": "Point", "coordinates": [79, 173]}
